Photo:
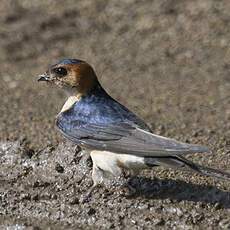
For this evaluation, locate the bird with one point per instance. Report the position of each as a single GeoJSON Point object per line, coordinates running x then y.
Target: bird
{"type": "Point", "coordinates": [116, 138]}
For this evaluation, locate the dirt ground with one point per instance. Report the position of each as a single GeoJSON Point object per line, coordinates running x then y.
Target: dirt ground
{"type": "Point", "coordinates": [167, 60]}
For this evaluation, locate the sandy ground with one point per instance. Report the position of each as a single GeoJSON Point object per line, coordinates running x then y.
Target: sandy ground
{"type": "Point", "coordinates": [168, 61]}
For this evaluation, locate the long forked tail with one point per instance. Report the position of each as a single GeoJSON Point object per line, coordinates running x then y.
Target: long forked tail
{"type": "Point", "coordinates": [182, 163]}
{"type": "Point", "coordinates": [207, 171]}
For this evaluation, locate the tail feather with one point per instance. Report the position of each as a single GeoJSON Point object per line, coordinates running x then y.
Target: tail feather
{"type": "Point", "coordinates": [179, 162]}
{"type": "Point", "coordinates": [216, 173]}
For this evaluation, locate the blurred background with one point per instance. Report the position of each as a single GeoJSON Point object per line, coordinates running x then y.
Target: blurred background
{"type": "Point", "coordinates": [167, 60]}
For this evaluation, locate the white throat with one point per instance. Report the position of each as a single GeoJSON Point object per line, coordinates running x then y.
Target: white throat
{"type": "Point", "coordinates": [69, 103]}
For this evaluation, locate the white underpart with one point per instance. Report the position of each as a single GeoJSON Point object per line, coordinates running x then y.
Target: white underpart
{"type": "Point", "coordinates": [109, 163]}
{"type": "Point", "coordinates": [69, 103]}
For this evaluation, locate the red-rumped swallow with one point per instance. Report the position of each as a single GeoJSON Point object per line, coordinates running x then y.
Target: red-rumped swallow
{"type": "Point", "coordinates": [116, 138]}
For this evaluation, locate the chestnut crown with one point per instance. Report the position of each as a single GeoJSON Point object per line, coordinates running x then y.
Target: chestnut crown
{"type": "Point", "coordinates": [73, 75]}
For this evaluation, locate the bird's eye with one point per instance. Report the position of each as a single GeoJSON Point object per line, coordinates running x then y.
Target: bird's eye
{"type": "Point", "coordinates": [60, 71]}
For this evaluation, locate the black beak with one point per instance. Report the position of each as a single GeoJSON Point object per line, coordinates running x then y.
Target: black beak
{"type": "Point", "coordinates": [43, 77]}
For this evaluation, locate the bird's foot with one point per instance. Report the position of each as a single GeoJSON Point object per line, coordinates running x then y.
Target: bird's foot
{"type": "Point", "coordinates": [85, 198]}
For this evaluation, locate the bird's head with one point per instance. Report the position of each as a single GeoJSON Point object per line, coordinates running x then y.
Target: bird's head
{"type": "Point", "coordinates": [74, 76]}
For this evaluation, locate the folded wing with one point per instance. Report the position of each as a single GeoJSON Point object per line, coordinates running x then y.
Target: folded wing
{"type": "Point", "coordinates": [125, 138]}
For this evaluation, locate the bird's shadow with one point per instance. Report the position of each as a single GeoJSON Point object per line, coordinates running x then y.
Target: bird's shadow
{"type": "Point", "coordinates": [179, 190]}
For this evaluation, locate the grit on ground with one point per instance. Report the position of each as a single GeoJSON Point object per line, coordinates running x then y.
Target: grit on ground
{"type": "Point", "coordinates": [168, 61]}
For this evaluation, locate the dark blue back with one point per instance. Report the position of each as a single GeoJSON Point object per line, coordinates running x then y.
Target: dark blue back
{"type": "Point", "coordinates": [99, 108]}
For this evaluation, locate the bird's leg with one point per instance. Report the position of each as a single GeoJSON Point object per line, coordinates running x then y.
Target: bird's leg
{"type": "Point", "coordinates": [97, 176]}
{"type": "Point", "coordinates": [88, 195]}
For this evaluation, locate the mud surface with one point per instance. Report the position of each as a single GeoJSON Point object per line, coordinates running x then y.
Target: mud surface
{"type": "Point", "coordinates": [168, 61]}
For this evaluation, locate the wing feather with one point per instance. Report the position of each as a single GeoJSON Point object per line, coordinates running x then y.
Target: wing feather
{"type": "Point", "coordinates": [125, 138]}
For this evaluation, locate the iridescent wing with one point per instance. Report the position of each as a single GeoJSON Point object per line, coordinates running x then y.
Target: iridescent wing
{"type": "Point", "coordinates": [125, 138]}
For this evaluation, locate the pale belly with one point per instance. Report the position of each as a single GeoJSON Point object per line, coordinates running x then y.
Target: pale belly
{"type": "Point", "coordinates": [114, 162]}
